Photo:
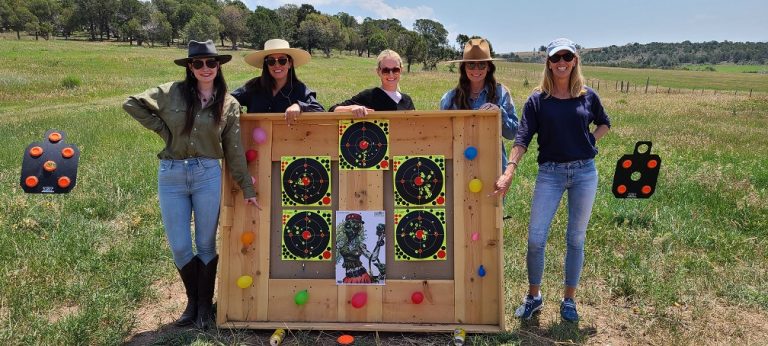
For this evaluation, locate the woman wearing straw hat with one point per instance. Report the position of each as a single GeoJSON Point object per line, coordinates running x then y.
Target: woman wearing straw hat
{"type": "Point", "coordinates": [560, 110]}
{"type": "Point", "coordinates": [200, 124]}
{"type": "Point", "coordinates": [278, 89]}
{"type": "Point", "coordinates": [386, 97]}
{"type": "Point", "coordinates": [478, 89]}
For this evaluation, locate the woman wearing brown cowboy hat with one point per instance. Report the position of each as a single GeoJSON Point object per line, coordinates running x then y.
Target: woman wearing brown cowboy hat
{"type": "Point", "coordinates": [200, 124]}
{"type": "Point", "coordinates": [278, 89]}
{"type": "Point", "coordinates": [478, 89]}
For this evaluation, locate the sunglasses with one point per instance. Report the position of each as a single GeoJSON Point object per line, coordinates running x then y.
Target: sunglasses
{"type": "Point", "coordinates": [198, 64]}
{"type": "Point", "coordinates": [477, 65]}
{"type": "Point", "coordinates": [568, 57]}
{"type": "Point", "coordinates": [273, 61]}
{"type": "Point", "coordinates": [387, 70]}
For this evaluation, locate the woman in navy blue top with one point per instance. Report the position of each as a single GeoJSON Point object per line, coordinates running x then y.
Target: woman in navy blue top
{"type": "Point", "coordinates": [560, 111]}
{"type": "Point", "coordinates": [278, 89]}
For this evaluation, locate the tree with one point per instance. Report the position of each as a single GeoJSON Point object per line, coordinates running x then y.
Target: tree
{"type": "Point", "coordinates": [158, 28]}
{"type": "Point", "coordinates": [202, 27]}
{"type": "Point", "coordinates": [262, 25]}
{"type": "Point", "coordinates": [289, 23]}
{"type": "Point", "coordinates": [377, 42]}
{"type": "Point", "coordinates": [168, 8]}
{"type": "Point", "coordinates": [413, 47]}
{"type": "Point", "coordinates": [233, 18]}
{"type": "Point", "coordinates": [45, 11]}
{"type": "Point", "coordinates": [322, 31]}
{"type": "Point", "coordinates": [436, 39]}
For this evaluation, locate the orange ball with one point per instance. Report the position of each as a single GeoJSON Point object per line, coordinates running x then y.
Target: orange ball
{"type": "Point", "coordinates": [247, 237]}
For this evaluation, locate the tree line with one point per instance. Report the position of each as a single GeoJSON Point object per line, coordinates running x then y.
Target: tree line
{"type": "Point", "coordinates": [669, 55]}
{"type": "Point", "coordinates": [168, 22]}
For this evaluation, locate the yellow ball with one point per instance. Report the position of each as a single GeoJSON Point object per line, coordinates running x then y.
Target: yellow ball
{"type": "Point", "coordinates": [244, 281]}
{"type": "Point", "coordinates": [475, 185]}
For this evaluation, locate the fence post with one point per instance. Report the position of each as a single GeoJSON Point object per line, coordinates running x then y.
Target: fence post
{"type": "Point", "coordinates": [617, 86]}
{"type": "Point", "coordinates": [750, 92]}
{"type": "Point", "coordinates": [622, 86]}
{"type": "Point", "coordinates": [669, 90]}
{"type": "Point", "coordinates": [647, 80]}
{"type": "Point", "coordinates": [598, 85]}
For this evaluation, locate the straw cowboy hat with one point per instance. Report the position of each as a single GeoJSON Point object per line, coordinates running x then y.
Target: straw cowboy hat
{"type": "Point", "coordinates": [202, 50]}
{"type": "Point", "coordinates": [477, 49]}
{"type": "Point", "coordinates": [276, 46]}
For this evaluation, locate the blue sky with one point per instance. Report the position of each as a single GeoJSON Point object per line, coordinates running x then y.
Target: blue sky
{"type": "Point", "coordinates": [524, 25]}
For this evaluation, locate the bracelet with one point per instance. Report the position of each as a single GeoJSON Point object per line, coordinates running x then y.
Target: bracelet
{"type": "Point", "coordinates": [512, 163]}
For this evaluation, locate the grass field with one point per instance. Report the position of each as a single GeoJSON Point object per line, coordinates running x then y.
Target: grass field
{"type": "Point", "coordinates": [687, 266]}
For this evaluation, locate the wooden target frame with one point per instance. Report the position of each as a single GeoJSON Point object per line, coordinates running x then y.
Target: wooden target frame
{"type": "Point", "coordinates": [454, 293]}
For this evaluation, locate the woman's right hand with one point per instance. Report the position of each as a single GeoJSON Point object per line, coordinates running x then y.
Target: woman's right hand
{"type": "Point", "coordinates": [361, 111]}
{"type": "Point", "coordinates": [504, 181]}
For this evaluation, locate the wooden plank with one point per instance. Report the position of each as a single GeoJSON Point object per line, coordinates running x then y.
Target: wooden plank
{"type": "Point", "coordinates": [437, 306]}
{"type": "Point", "coordinates": [322, 305]}
{"type": "Point", "coordinates": [260, 258]}
{"type": "Point", "coordinates": [461, 139]}
{"type": "Point", "coordinates": [370, 312]}
{"type": "Point", "coordinates": [487, 249]}
{"type": "Point", "coordinates": [421, 136]}
{"type": "Point", "coordinates": [306, 138]}
{"type": "Point", "coordinates": [280, 118]}
{"type": "Point", "coordinates": [361, 190]}
{"type": "Point", "coordinates": [363, 327]}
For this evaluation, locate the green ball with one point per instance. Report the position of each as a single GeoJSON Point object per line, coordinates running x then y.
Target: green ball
{"type": "Point", "coordinates": [301, 297]}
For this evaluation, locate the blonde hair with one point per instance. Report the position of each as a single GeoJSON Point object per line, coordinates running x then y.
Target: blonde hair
{"type": "Point", "coordinates": [576, 80]}
{"type": "Point", "coordinates": [388, 53]}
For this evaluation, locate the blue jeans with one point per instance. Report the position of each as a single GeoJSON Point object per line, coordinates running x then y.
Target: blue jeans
{"type": "Point", "coordinates": [184, 187]}
{"type": "Point", "coordinates": [579, 178]}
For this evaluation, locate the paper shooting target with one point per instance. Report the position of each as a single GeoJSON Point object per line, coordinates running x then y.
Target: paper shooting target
{"type": "Point", "coordinates": [306, 235]}
{"type": "Point", "coordinates": [420, 235]}
{"type": "Point", "coordinates": [364, 145]}
{"type": "Point", "coordinates": [306, 180]}
{"type": "Point", "coordinates": [419, 180]}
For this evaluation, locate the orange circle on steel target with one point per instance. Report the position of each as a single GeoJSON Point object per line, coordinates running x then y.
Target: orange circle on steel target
{"type": "Point", "coordinates": [626, 164]}
{"type": "Point", "coordinates": [346, 339]}
{"type": "Point", "coordinates": [35, 151]}
{"type": "Point", "coordinates": [49, 166]}
{"type": "Point", "coordinates": [54, 137]}
{"type": "Point", "coordinates": [621, 189]}
{"type": "Point", "coordinates": [646, 189]}
{"type": "Point", "coordinates": [652, 164]}
{"type": "Point", "coordinates": [67, 152]}
{"type": "Point", "coordinates": [64, 182]}
{"type": "Point", "coordinates": [31, 181]}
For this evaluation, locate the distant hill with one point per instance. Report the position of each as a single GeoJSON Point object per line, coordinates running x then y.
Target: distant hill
{"type": "Point", "coordinates": [669, 55]}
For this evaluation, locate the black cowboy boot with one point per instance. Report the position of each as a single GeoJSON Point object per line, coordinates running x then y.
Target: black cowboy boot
{"type": "Point", "coordinates": [206, 279]}
{"type": "Point", "coordinates": [189, 278]}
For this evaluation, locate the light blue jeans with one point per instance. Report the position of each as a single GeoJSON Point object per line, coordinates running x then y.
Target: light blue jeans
{"type": "Point", "coordinates": [579, 178]}
{"type": "Point", "coordinates": [186, 187]}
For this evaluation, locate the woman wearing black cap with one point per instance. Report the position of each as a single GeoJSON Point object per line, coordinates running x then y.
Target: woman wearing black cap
{"type": "Point", "coordinates": [199, 122]}
{"type": "Point", "coordinates": [560, 111]}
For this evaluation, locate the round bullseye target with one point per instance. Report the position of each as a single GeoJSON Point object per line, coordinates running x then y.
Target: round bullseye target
{"type": "Point", "coordinates": [306, 180]}
{"type": "Point", "coordinates": [364, 145]}
{"type": "Point", "coordinates": [306, 236]}
{"type": "Point", "coordinates": [420, 235]}
{"type": "Point", "coordinates": [419, 180]}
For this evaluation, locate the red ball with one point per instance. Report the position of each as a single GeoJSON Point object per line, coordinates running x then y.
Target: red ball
{"type": "Point", "coordinates": [417, 297]}
{"type": "Point", "coordinates": [251, 155]}
{"type": "Point", "coordinates": [359, 299]}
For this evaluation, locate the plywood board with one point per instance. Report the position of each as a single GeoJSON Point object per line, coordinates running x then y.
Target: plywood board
{"type": "Point", "coordinates": [322, 305]}
{"type": "Point", "coordinates": [436, 306]}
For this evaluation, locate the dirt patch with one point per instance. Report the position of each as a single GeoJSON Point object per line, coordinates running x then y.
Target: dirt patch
{"type": "Point", "coordinates": [154, 319]}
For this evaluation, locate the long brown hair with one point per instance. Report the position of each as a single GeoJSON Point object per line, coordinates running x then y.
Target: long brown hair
{"type": "Point", "coordinates": [189, 86]}
{"type": "Point", "coordinates": [461, 96]}
{"type": "Point", "coordinates": [266, 82]}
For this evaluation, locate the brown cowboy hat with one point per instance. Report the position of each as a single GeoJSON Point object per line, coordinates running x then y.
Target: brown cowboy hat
{"type": "Point", "coordinates": [476, 49]}
{"type": "Point", "coordinates": [276, 46]}
{"type": "Point", "coordinates": [202, 50]}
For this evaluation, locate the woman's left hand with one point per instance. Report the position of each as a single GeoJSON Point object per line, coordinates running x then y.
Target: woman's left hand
{"type": "Point", "coordinates": [253, 201]}
{"type": "Point", "coordinates": [291, 113]}
{"type": "Point", "coordinates": [489, 107]}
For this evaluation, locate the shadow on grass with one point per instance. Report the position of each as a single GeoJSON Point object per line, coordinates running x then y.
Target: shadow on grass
{"type": "Point", "coordinates": [561, 332]}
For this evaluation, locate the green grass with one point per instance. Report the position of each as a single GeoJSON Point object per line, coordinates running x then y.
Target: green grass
{"type": "Point", "coordinates": [76, 267]}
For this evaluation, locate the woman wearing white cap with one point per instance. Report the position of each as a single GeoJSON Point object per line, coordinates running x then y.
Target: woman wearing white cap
{"type": "Point", "coordinates": [478, 89]}
{"type": "Point", "coordinates": [278, 89]}
{"type": "Point", "coordinates": [560, 111]}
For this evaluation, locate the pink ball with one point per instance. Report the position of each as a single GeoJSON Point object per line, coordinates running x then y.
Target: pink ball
{"type": "Point", "coordinates": [359, 299]}
{"type": "Point", "coordinates": [417, 297]}
{"type": "Point", "coordinates": [251, 155]}
{"type": "Point", "coordinates": [259, 135]}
